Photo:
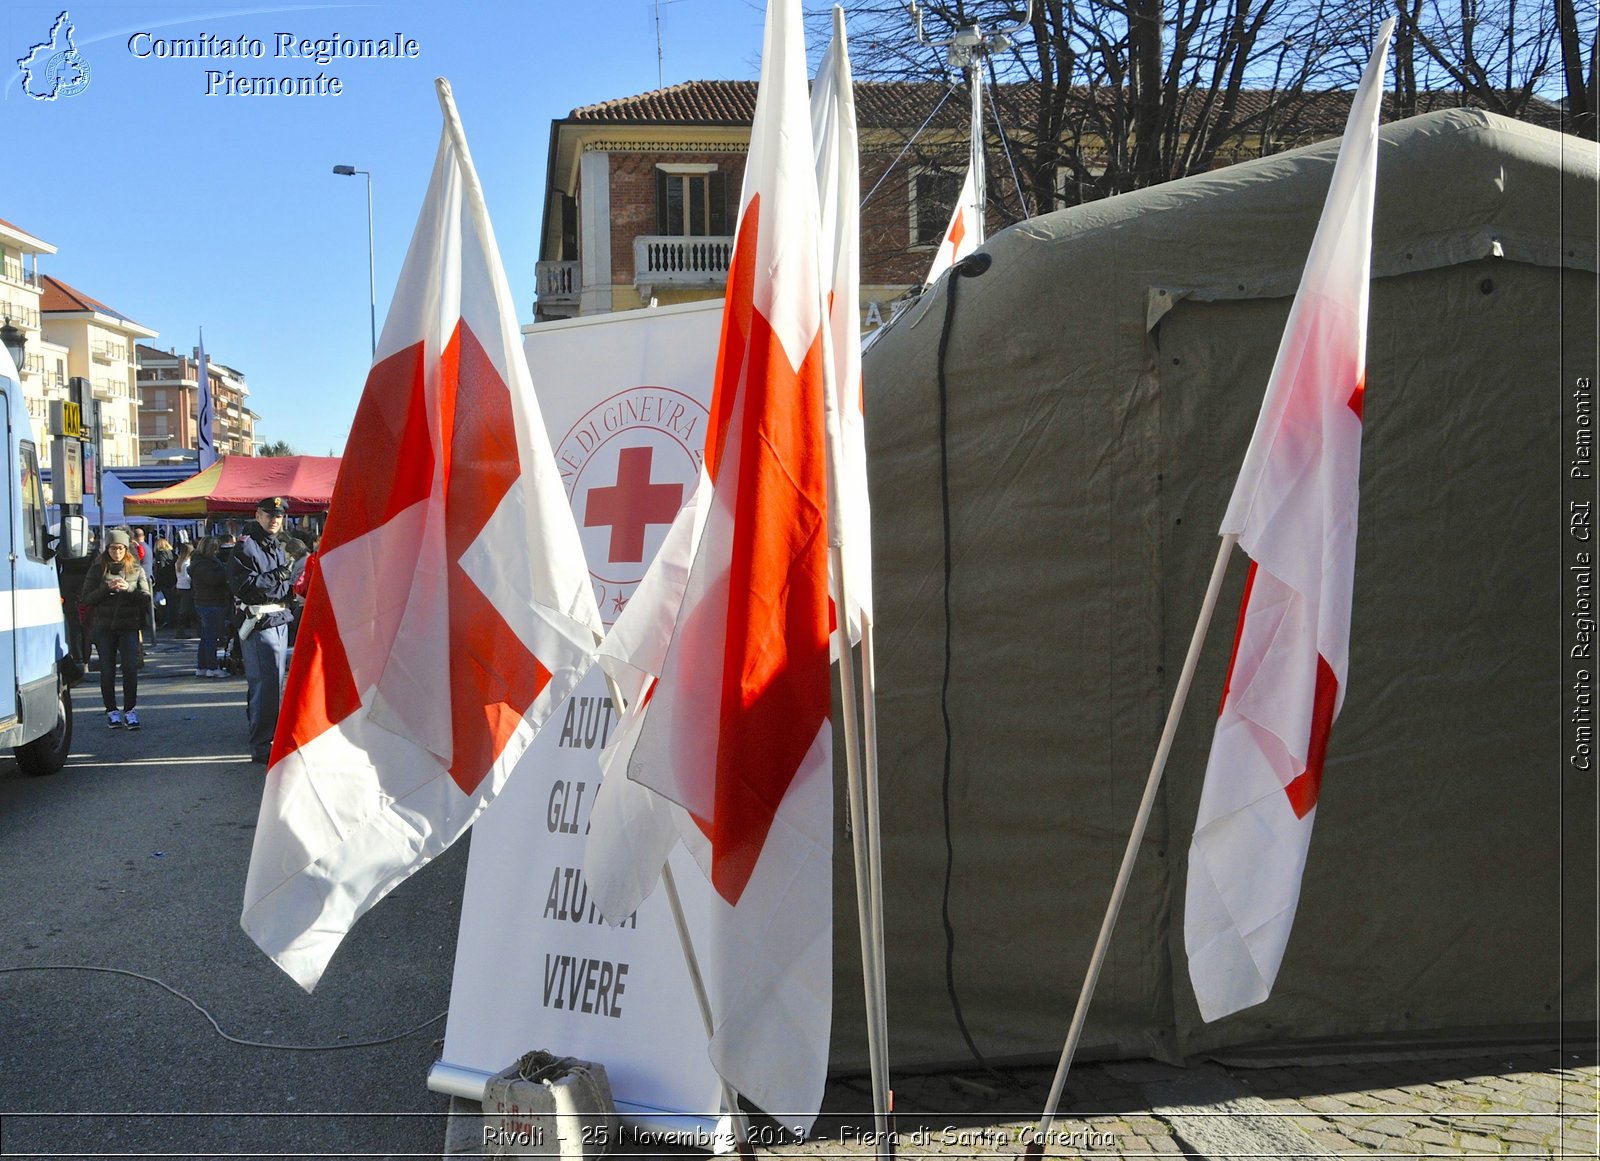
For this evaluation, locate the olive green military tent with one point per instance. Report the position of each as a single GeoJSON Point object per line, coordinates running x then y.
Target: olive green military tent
{"type": "Point", "coordinates": [1101, 382]}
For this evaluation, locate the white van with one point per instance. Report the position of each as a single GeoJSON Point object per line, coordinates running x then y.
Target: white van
{"type": "Point", "coordinates": [35, 671]}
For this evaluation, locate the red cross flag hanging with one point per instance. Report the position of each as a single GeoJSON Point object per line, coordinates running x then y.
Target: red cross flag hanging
{"type": "Point", "coordinates": [452, 609]}
{"type": "Point", "coordinates": [1294, 512]}
{"type": "Point", "coordinates": [961, 236]}
{"type": "Point", "coordinates": [729, 631]}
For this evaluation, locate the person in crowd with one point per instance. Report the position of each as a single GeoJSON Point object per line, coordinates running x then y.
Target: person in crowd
{"type": "Point", "coordinates": [260, 577]}
{"type": "Point", "coordinates": [141, 553]}
{"type": "Point", "coordinates": [76, 614]}
{"type": "Point", "coordinates": [118, 591]}
{"type": "Point", "coordinates": [208, 585]}
{"type": "Point", "coordinates": [164, 580]}
{"type": "Point", "coordinates": [183, 586]}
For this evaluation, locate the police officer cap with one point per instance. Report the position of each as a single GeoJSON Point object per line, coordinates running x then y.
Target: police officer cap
{"type": "Point", "coordinates": [273, 506]}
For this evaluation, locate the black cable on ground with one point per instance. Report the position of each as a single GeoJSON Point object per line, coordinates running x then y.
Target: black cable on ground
{"type": "Point", "coordinates": [66, 967]}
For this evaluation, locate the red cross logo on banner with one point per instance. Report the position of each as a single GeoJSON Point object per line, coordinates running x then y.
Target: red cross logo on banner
{"type": "Point", "coordinates": [630, 505]}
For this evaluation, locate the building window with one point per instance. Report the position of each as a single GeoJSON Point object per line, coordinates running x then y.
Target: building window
{"type": "Point", "coordinates": [1071, 190]}
{"type": "Point", "coordinates": [691, 201]}
{"type": "Point", "coordinates": [933, 200]}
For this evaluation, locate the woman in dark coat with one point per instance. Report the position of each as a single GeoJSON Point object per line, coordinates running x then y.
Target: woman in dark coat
{"type": "Point", "coordinates": [118, 592]}
{"type": "Point", "coordinates": [208, 583]}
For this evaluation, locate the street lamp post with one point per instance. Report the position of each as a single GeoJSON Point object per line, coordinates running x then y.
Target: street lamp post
{"type": "Point", "coordinates": [372, 276]}
{"type": "Point", "coordinates": [16, 342]}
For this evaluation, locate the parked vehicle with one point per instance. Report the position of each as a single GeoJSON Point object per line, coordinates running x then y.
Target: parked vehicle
{"type": "Point", "coordinates": [36, 670]}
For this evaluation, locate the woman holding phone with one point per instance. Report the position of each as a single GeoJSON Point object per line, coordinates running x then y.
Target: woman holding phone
{"type": "Point", "coordinates": [117, 589]}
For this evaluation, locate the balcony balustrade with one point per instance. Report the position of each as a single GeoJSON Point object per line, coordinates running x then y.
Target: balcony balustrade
{"type": "Point", "coordinates": [559, 283]}
{"type": "Point", "coordinates": [677, 261]}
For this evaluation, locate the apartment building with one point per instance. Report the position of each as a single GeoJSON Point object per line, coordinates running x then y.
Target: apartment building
{"type": "Point", "coordinates": [44, 368]}
{"type": "Point", "coordinates": [169, 393]}
{"type": "Point", "coordinates": [98, 342]}
{"type": "Point", "coordinates": [642, 195]}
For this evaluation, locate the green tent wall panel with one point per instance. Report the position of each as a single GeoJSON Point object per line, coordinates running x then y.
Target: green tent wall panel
{"type": "Point", "coordinates": [1103, 377]}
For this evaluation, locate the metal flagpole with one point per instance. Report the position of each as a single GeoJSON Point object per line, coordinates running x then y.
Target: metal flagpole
{"type": "Point", "coordinates": [980, 178]}
{"type": "Point", "coordinates": [1179, 696]}
{"type": "Point", "coordinates": [966, 50]}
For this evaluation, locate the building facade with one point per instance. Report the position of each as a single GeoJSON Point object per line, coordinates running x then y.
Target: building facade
{"type": "Point", "coordinates": [99, 343]}
{"type": "Point", "coordinates": [147, 397]}
{"type": "Point", "coordinates": [44, 368]}
{"type": "Point", "coordinates": [169, 407]}
{"type": "Point", "coordinates": [642, 195]}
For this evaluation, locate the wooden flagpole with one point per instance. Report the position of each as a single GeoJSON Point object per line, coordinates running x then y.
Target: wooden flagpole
{"type": "Point", "coordinates": [869, 745]}
{"type": "Point", "coordinates": [1142, 820]}
{"type": "Point", "coordinates": [741, 1125]}
{"type": "Point", "coordinates": [867, 922]}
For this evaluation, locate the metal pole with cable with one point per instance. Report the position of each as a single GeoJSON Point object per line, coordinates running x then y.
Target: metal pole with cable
{"type": "Point", "coordinates": [966, 50]}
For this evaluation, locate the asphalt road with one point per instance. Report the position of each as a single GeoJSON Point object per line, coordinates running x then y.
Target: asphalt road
{"type": "Point", "coordinates": [133, 859]}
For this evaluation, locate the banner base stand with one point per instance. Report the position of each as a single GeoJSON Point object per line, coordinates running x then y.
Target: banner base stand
{"type": "Point", "coordinates": [464, 1137]}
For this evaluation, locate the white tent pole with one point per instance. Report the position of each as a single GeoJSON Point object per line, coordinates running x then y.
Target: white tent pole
{"type": "Point", "coordinates": [1141, 821]}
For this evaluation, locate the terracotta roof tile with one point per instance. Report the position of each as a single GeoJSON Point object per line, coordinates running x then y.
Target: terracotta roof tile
{"type": "Point", "coordinates": [878, 105]}
{"type": "Point", "coordinates": [906, 105]}
{"type": "Point", "coordinates": [56, 296]}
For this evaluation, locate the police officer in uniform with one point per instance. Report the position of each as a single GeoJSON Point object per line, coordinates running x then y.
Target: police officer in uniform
{"type": "Point", "coordinates": [260, 577]}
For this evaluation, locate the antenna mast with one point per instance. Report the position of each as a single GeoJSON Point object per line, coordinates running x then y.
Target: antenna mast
{"type": "Point", "coordinates": [660, 75]}
{"type": "Point", "coordinates": [966, 50]}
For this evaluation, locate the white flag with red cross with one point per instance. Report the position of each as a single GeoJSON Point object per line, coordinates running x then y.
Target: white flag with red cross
{"type": "Point", "coordinates": [838, 150]}
{"type": "Point", "coordinates": [962, 235]}
{"type": "Point", "coordinates": [724, 648]}
{"type": "Point", "coordinates": [1294, 512]}
{"type": "Point", "coordinates": [451, 611]}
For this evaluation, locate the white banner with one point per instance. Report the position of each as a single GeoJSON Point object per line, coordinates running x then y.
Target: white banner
{"type": "Point", "coordinates": [625, 398]}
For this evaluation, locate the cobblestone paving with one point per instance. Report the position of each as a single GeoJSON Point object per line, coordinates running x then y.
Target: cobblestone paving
{"type": "Point", "coordinates": [1523, 1103]}
{"type": "Point", "coordinates": [1514, 1104]}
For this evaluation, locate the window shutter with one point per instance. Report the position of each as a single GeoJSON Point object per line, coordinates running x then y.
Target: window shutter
{"type": "Point", "coordinates": [718, 183]}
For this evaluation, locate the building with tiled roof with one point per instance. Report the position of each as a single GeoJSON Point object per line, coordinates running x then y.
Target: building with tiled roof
{"type": "Point", "coordinates": [45, 365]}
{"type": "Point", "coordinates": [169, 403]}
{"type": "Point", "coordinates": [641, 190]}
{"type": "Point", "coordinates": [98, 341]}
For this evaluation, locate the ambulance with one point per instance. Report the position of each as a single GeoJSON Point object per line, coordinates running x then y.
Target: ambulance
{"type": "Point", "coordinates": [36, 672]}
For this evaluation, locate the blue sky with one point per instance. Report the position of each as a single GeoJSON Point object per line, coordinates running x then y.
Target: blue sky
{"type": "Point", "coordinates": [183, 210]}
